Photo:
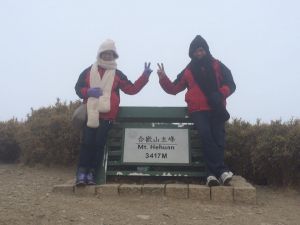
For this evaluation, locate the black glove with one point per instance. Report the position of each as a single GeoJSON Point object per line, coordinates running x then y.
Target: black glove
{"type": "Point", "coordinates": [215, 100]}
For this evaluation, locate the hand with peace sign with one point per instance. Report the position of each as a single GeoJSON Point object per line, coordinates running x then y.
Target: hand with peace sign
{"type": "Point", "coordinates": [161, 71]}
{"type": "Point", "coordinates": [147, 69]}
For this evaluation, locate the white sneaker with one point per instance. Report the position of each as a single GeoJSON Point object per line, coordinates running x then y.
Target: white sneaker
{"type": "Point", "coordinates": [226, 177]}
{"type": "Point", "coordinates": [212, 181]}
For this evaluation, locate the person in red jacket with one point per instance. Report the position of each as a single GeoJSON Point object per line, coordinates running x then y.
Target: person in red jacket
{"type": "Point", "coordinates": [99, 86]}
{"type": "Point", "coordinates": [208, 82]}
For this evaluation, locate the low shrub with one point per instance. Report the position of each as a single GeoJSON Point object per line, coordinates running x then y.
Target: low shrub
{"type": "Point", "coordinates": [262, 153]}
{"type": "Point", "coordinates": [265, 153]}
{"type": "Point", "coordinates": [9, 147]}
{"type": "Point", "coordinates": [48, 136]}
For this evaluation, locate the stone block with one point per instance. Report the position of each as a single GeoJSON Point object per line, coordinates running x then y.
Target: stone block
{"type": "Point", "coordinates": [238, 181]}
{"type": "Point", "coordinates": [179, 191]}
{"type": "Point", "coordinates": [199, 192]}
{"type": "Point", "coordinates": [222, 194]}
{"type": "Point", "coordinates": [244, 194]}
{"type": "Point", "coordinates": [88, 190]}
{"type": "Point", "coordinates": [243, 191]}
{"type": "Point", "coordinates": [130, 190]}
{"type": "Point", "coordinates": [153, 190]}
{"type": "Point", "coordinates": [107, 190]}
{"type": "Point", "coordinates": [237, 178]}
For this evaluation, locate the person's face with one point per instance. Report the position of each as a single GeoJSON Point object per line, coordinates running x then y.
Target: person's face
{"type": "Point", "coordinates": [199, 53]}
{"type": "Point", "coordinates": [107, 55]}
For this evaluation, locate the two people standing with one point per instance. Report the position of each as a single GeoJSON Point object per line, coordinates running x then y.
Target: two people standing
{"type": "Point", "coordinates": [208, 82]}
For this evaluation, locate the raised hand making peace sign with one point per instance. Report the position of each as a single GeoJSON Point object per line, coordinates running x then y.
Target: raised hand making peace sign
{"type": "Point", "coordinates": [147, 69]}
{"type": "Point", "coordinates": [161, 70]}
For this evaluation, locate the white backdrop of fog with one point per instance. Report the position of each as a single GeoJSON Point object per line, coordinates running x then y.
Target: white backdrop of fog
{"type": "Point", "coordinates": [45, 45]}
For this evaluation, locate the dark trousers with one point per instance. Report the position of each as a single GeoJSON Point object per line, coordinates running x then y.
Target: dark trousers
{"type": "Point", "coordinates": [92, 145]}
{"type": "Point", "coordinates": [212, 136]}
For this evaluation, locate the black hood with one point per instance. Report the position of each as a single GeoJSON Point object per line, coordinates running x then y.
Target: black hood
{"type": "Point", "coordinates": [197, 43]}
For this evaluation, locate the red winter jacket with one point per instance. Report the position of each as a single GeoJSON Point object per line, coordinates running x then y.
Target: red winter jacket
{"type": "Point", "coordinates": [120, 82]}
{"type": "Point", "coordinates": [195, 97]}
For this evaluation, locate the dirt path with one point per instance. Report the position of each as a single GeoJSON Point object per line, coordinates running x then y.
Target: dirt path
{"type": "Point", "coordinates": [26, 198]}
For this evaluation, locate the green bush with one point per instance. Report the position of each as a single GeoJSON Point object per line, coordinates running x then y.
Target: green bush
{"type": "Point", "coordinates": [276, 158]}
{"type": "Point", "coordinates": [262, 153]}
{"type": "Point", "coordinates": [9, 147]}
{"type": "Point", "coordinates": [48, 136]}
{"type": "Point", "coordinates": [240, 141]}
{"type": "Point", "coordinates": [265, 153]}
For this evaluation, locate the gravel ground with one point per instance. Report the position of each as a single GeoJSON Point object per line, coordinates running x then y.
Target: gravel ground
{"type": "Point", "coordinates": [26, 198]}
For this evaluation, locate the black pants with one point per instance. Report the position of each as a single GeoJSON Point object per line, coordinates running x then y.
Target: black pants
{"type": "Point", "coordinates": [212, 136]}
{"type": "Point", "coordinates": [92, 146]}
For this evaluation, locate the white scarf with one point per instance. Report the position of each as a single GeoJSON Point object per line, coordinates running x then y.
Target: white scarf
{"type": "Point", "coordinates": [101, 104]}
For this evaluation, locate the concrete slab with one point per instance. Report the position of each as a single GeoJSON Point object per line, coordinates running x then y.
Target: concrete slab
{"type": "Point", "coordinates": [243, 191]}
{"type": "Point", "coordinates": [244, 194]}
{"type": "Point", "coordinates": [222, 194]}
{"type": "Point", "coordinates": [130, 190]}
{"type": "Point", "coordinates": [179, 191]}
{"type": "Point", "coordinates": [153, 190]}
{"type": "Point", "coordinates": [88, 190]}
{"type": "Point", "coordinates": [238, 181]}
{"type": "Point", "coordinates": [106, 190]}
{"type": "Point", "coordinates": [199, 192]}
{"type": "Point", "coordinates": [239, 191]}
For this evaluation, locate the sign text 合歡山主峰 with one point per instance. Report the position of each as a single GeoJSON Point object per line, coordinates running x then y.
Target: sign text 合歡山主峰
{"type": "Point", "coordinates": [154, 145]}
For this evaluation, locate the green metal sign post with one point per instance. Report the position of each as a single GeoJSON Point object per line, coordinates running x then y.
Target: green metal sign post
{"type": "Point", "coordinates": [152, 141]}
